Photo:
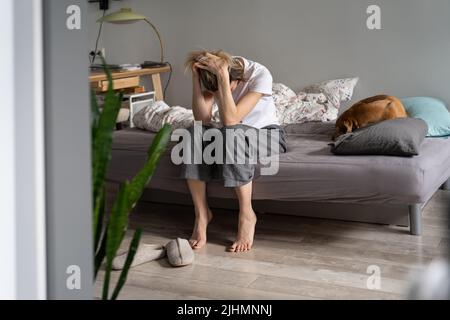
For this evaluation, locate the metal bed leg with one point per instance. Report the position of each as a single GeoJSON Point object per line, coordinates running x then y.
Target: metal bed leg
{"type": "Point", "coordinates": [415, 219]}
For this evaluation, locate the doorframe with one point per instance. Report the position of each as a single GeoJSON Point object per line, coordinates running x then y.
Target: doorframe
{"type": "Point", "coordinates": [69, 233]}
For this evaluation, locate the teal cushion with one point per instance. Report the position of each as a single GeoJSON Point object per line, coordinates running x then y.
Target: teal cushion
{"type": "Point", "coordinates": [432, 111]}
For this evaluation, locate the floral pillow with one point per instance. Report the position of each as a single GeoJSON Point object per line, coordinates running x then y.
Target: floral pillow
{"type": "Point", "coordinates": [282, 94]}
{"type": "Point", "coordinates": [301, 107]}
{"type": "Point", "coordinates": [319, 102]}
{"type": "Point", "coordinates": [282, 97]}
{"type": "Point", "coordinates": [336, 91]}
{"type": "Point", "coordinates": [308, 107]}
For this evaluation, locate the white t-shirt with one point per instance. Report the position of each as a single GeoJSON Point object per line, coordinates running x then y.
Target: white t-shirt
{"type": "Point", "coordinates": [258, 79]}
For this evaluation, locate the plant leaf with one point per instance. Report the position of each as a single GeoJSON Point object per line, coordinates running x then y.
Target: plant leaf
{"type": "Point", "coordinates": [129, 260]}
{"type": "Point", "coordinates": [118, 222]}
{"type": "Point", "coordinates": [95, 113]}
{"type": "Point", "coordinates": [117, 225]}
{"type": "Point", "coordinates": [99, 215]}
{"type": "Point", "coordinates": [102, 140]}
{"type": "Point", "coordinates": [100, 255]}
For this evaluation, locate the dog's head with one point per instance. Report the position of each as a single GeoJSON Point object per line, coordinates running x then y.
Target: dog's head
{"type": "Point", "coordinates": [344, 125]}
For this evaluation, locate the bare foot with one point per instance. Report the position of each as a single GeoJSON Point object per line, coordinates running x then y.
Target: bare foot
{"type": "Point", "coordinates": [246, 232]}
{"type": "Point", "coordinates": [198, 238]}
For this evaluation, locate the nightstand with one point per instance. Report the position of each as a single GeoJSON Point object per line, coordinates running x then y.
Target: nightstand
{"type": "Point", "coordinates": [129, 79]}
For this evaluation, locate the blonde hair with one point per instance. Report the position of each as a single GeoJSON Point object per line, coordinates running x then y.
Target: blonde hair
{"type": "Point", "coordinates": [208, 79]}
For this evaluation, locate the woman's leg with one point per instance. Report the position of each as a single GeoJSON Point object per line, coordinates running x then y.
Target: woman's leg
{"type": "Point", "coordinates": [203, 214]}
{"type": "Point", "coordinates": [247, 220]}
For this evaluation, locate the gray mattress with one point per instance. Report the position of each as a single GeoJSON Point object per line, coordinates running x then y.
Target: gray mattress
{"type": "Point", "coordinates": [308, 171]}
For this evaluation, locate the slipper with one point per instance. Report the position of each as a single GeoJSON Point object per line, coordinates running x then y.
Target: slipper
{"type": "Point", "coordinates": [145, 253]}
{"type": "Point", "coordinates": [179, 252]}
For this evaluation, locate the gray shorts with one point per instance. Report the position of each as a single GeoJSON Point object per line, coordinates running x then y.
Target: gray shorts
{"type": "Point", "coordinates": [238, 173]}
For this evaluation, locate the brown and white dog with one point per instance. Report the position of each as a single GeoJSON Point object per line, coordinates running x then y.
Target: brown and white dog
{"type": "Point", "coordinates": [369, 111]}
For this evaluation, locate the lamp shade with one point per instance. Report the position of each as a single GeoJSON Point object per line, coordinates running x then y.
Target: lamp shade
{"type": "Point", "coordinates": [124, 15]}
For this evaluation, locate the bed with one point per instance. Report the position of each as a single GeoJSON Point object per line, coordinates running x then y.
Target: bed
{"type": "Point", "coordinates": [311, 180]}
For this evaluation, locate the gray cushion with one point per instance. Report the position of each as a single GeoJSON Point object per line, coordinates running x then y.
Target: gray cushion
{"type": "Point", "coordinates": [179, 252]}
{"type": "Point", "coordinates": [398, 137]}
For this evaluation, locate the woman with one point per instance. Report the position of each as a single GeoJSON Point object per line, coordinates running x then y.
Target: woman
{"type": "Point", "coordinates": [242, 90]}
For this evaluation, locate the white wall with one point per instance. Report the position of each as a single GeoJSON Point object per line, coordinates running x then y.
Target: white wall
{"type": "Point", "coordinates": [301, 41]}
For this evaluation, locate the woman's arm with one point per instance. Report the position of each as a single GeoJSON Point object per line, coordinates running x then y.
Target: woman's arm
{"type": "Point", "coordinates": [230, 112]}
{"type": "Point", "coordinates": [202, 102]}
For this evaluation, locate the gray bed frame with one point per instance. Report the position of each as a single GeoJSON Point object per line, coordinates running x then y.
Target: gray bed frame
{"type": "Point", "coordinates": [402, 215]}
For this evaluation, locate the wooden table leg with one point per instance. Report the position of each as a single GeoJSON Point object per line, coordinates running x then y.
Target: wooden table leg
{"type": "Point", "coordinates": [159, 94]}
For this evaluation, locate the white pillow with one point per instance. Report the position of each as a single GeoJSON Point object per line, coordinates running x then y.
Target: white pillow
{"type": "Point", "coordinates": [150, 117]}
{"type": "Point", "coordinates": [337, 91]}
{"type": "Point", "coordinates": [158, 113]}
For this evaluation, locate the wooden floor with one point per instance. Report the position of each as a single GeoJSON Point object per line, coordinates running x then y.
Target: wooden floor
{"type": "Point", "coordinates": [293, 257]}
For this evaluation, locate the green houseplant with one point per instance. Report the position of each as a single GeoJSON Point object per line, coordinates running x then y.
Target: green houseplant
{"type": "Point", "coordinates": [110, 228]}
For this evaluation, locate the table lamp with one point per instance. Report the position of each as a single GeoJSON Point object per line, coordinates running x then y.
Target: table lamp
{"type": "Point", "coordinates": [126, 16]}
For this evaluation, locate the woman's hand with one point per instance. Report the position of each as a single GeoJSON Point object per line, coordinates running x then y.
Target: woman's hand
{"type": "Point", "coordinates": [213, 64]}
{"type": "Point", "coordinates": [194, 70]}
